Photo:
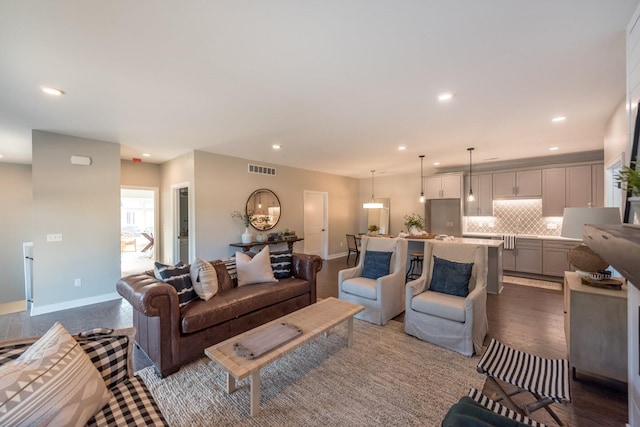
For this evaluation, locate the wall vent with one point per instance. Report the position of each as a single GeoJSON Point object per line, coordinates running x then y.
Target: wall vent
{"type": "Point", "coordinates": [262, 170]}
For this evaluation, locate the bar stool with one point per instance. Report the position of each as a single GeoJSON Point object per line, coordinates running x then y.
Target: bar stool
{"type": "Point", "coordinates": [415, 266]}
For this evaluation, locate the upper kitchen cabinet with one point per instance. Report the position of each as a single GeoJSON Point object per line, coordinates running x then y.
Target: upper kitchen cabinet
{"type": "Point", "coordinates": [483, 191]}
{"type": "Point", "coordinates": [573, 187]}
{"type": "Point", "coordinates": [524, 184]}
{"type": "Point", "coordinates": [445, 186]}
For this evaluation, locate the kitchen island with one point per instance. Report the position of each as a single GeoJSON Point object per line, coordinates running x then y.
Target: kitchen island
{"type": "Point", "coordinates": [494, 261]}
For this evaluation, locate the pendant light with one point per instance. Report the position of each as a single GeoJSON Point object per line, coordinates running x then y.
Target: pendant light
{"type": "Point", "coordinates": [421, 179]}
{"type": "Point", "coordinates": [372, 204]}
{"type": "Point", "coordinates": [470, 197]}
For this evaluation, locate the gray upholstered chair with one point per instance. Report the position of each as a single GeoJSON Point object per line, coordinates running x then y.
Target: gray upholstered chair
{"type": "Point", "coordinates": [382, 297]}
{"type": "Point", "coordinates": [458, 323]}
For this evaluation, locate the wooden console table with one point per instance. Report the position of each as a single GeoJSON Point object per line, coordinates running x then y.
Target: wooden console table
{"type": "Point", "coordinates": [596, 328]}
{"type": "Point", "coordinates": [246, 246]}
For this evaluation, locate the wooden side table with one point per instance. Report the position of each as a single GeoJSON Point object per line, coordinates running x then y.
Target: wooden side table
{"type": "Point", "coordinates": [595, 324]}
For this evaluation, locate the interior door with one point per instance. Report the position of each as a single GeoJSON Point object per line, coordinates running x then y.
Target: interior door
{"type": "Point", "coordinates": [315, 223]}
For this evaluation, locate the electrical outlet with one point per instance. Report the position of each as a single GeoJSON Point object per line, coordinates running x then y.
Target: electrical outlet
{"type": "Point", "coordinates": [491, 225]}
{"type": "Point", "coordinates": [54, 237]}
{"type": "Point", "coordinates": [552, 226]}
{"type": "Point", "coordinates": [78, 282]}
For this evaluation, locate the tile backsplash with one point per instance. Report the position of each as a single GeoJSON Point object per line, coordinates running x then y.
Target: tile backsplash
{"type": "Point", "coordinates": [515, 217]}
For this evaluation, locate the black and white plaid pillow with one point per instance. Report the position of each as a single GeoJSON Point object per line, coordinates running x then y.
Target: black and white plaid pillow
{"type": "Point", "coordinates": [281, 263]}
{"type": "Point", "coordinates": [179, 277]}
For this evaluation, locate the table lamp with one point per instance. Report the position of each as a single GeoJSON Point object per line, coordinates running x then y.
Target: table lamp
{"type": "Point", "coordinates": [573, 221]}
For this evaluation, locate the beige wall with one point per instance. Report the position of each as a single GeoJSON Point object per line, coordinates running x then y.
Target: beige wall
{"type": "Point", "coordinates": [616, 139]}
{"type": "Point", "coordinates": [140, 174]}
{"type": "Point", "coordinates": [222, 184]}
{"type": "Point", "coordinates": [402, 191]}
{"type": "Point", "coordinates": [82, 203]}
{"type": "Point", "coordinates": [15, 223]}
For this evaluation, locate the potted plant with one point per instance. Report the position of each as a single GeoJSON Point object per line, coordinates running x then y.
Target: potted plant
{"type": "Point", "coordinates": [247, 236]}
{"type": "Point", "coordinates": [629, 179]}
{"type": "Point", "coordinates": [414, 223]}
{"type": "Point", "coordinates": [373, 230]}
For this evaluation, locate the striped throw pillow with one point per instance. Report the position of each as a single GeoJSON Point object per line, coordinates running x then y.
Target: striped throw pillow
{"type": "Point", "coordinates": [179, 277]}
{"type": "Point", "coordinates": [281, 263]}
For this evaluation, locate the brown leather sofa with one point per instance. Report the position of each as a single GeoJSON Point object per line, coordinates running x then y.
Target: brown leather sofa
{"type": "Point", "coordinates": [172, 336]}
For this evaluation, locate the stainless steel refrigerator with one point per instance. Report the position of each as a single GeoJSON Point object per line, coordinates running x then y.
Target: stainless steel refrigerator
{"type": "Point", "coordinates": [444, 216]}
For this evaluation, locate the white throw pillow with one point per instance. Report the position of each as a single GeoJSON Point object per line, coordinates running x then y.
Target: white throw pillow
{"type": "Point", "coordinates": [52, 383]}
{"type": "Point", "coordinates": [204, 279]}
{"type": "Point", "coordinates": [254, 270]}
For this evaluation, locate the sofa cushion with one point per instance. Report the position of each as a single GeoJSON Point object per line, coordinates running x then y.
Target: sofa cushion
{"type": "Point", "coordinates": [238, 301]}
{"type": "Point", "coordinates": [361, 286]}
{"type": "Point", "coordinates": [256, 269]}
{"type": "Point", "coordinates": [131, 405]}
{"type": "Point", "coordinates": [204, 278]}
{"type": "Point", "coordinates": [52, 383]}
{"type": "Point", "coordinates": [179, 277]}
{"type": "Point", "coordinates": [450, 277]}
{"type": "Point", "coordinates": [440, 305]}
{"type": "Point", "coordinates": [281, 263]}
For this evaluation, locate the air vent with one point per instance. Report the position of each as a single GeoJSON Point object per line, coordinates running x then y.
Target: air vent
{"type": "Point", "coordinates": [262, 170]}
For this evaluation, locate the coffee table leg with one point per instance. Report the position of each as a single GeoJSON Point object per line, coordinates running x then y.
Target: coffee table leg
{"type": "Point", "coordinates": [231, 383]}
{"type": "Point", "coordinates": [350, 331]}
{"type": "Point", "coordinates": [254, 387]}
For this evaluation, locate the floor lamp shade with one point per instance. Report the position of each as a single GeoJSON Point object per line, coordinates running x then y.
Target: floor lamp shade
{"type": "Point", "coordinates": [573, 221]}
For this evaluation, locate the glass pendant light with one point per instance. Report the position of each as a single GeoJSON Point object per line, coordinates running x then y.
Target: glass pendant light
{"type": "Point", "coordinates": [372, 204]}
{"type": "Point", "coordinates": [470, 197]}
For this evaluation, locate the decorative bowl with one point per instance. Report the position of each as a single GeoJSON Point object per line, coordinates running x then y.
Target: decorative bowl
{"type": "Point", "coordinates": [600, 275]}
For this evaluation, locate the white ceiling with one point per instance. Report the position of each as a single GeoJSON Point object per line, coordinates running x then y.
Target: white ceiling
{"type": "Point", "coordinates": [340, 84]}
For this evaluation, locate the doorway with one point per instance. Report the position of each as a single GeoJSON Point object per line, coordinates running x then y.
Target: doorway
{"type": "Point", "coordinates": [138, 218]}
{"type": "Point", "coordinates": [181, 223]}
{"type": "Point", "coordinates": [316, 228]}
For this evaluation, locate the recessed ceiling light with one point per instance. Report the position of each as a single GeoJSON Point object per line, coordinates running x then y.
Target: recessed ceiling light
{"type": "Point", "coordinates": [402, 148]}
{"type": "Point", "coordinates": [559, 119]}
{"type": "Point", "coordinates": [276, 146]}
{"type": "Point", "coordinates": [52, 91]}
{"type": "Point", "coordinates": [446, 96]}
{"type": "Point", "coordinates": [554, 148]}
{"type": "Point", "coordinates": [146, 155]}
{"type": "Point", "coordinates": [1, 156]}
{"type": "Point", "coordinates": [436, 163]}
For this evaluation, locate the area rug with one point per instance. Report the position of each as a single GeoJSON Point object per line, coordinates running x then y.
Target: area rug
{"type": "Point", "coordinates": [522, 281]}
{"type": "Point", "coordinates": [387, 378]}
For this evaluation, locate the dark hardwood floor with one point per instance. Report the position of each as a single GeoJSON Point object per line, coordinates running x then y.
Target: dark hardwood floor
{"type": "Point", "coordinates": [526, 318]}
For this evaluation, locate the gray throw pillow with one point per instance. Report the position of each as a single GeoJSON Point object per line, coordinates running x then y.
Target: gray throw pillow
{"type": "Point", "coordinates": [376, 264]}
{"type": "Point", "coordinates": [450, 277]}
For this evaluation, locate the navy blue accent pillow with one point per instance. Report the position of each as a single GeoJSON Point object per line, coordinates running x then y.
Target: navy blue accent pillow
{"type": "Point", "coordinates": [281, 263]}
{"type": "Point", "coordinates": [376, 264]}
{"type": "Point", "coordinates": [178, 276]}
{"type": "Point", "coordinates": [450, 277]}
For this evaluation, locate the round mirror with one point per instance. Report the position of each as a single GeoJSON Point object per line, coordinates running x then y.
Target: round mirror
{"type": "Point", "coordinates": [263, 208]}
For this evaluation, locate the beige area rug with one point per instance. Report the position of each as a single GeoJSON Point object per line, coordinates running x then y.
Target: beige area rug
{"type": "Point", "coordinates": [387, 378]}
{"type": "Point", "coordinates": [523, 281]}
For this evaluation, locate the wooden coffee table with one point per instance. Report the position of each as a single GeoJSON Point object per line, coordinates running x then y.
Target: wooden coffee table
{"type": "Point", "coordinates": [314, 320]}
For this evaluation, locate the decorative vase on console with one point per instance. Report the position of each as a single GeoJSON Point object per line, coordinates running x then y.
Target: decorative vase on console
{"type": "Point", "coordinates": [415, 231]}
{"type": "Point", "coordinates": [414, 223]}
{"type": "Point", "coordinates": [247, 236]}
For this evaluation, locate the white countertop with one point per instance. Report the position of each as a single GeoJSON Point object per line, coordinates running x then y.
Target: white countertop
{"type": "Point", "coordinates": [470, 241]}
{"type": "Point", "coordinates": [522, 236]}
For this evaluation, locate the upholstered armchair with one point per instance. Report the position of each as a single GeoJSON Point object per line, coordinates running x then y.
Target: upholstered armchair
{"type": "Point", "coordinates": [377, 282]}
{"type": "Point", "coordinates": [446, 305]}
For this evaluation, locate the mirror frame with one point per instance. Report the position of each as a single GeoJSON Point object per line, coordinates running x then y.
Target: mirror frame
{"type": "Point", "coordinates": [258, 223]}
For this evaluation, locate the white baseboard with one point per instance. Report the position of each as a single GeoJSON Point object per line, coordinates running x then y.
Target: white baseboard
{"type": "Point", "coordinates": [50, 308]}
{"type": "Point", "coordinates": [338, 255]}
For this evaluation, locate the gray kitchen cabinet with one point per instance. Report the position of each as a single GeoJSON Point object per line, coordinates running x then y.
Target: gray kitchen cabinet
{"type": "Point", "coordinates": [555, 257]}
{"type": "Point", "coordinates": [553, 191]}
{"type": "Point", "coordinates": [597, 185]}
{"type": "Point", "coordinates": [578, 186]}
{"type": "Point", "coordinates": [483, 193]}
{"type": "Point", "coordinates": [524, 184]}
{"type": "Point", "coordinates": [528, 256]}
{"type": "Point", "coordinates": [445, 186]}
{"type": "Point", "coordinates": [509, 259]}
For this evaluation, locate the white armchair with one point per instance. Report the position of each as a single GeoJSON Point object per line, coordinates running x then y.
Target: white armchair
{"type": "Point", "coordinates": [383, 298]}
{"type": "Point", "coordinates": [455, 322]}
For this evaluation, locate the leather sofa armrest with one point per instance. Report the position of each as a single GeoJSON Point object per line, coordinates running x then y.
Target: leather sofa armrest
{"type": "Point", "coordinates": [305, 266]}
{"type": "Point", "coordinates": [147, 294]}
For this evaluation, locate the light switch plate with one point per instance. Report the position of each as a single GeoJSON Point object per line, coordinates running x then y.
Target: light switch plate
{"type": "Point", "coordinates": [57, 237]}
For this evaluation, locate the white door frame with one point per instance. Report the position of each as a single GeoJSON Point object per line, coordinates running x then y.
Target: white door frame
{"type": "Point", "coordinates": [325, 220]}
